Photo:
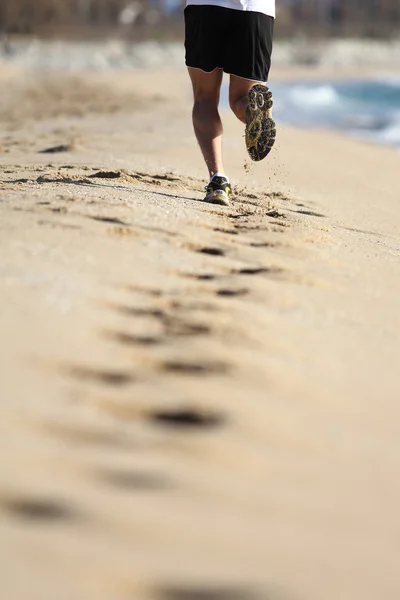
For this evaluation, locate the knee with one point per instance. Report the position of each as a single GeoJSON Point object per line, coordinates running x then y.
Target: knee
{"type": "Point", "coordinates": [205, 109]}
{"type": "Point", "coordinates": [205, 103]}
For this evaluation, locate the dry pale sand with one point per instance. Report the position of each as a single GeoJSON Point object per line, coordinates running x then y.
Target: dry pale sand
{"type": "Point", "coordinates": [197, 402]}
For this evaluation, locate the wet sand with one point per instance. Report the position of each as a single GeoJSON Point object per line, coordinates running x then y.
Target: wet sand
{"type": "Point", "coordinates": [197, 402]}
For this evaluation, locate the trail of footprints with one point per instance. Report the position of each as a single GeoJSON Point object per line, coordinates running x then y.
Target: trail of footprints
{"type": "Point", "coordinates": [176, 322]}
{"type": "Point", "coordinates": [175, 319]}
{"type": "Point", "coordinates": [247, 203]}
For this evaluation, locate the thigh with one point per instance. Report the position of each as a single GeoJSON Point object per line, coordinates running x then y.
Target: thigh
{"type": "Point", "coordinates": [248, 49]}
{"type": "Point", "coordinates": [203, 37]}
{"type": "Point", "coordinates": [206, 85]}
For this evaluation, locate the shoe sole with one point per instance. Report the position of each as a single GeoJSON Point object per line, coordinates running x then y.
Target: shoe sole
{"type": "Point", "coordinates": [260, 127]}
{"type": "Point", "coordinates": [217, 197]}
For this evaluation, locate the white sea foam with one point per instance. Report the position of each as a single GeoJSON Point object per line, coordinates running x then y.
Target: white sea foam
{"type": "Point", "coordinates": [391, 133]}
{"type": "Point", "coordinates": [320, 96]}
{"type": "Point", "coordinates": [367, 108]}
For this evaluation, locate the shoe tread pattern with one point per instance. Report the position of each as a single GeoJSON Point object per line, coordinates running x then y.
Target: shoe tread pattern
{"type": "Point", "coordinates": [260, 127]}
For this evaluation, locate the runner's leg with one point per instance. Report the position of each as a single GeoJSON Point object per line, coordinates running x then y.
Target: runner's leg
{"type": "Point", "coordinates": [206, 120]}
{"type": "Point", "coordinates": [239, 95]}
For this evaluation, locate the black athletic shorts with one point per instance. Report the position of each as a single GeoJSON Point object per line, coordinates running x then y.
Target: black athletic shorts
{"type": "Point", "coordinates": [237, 41]}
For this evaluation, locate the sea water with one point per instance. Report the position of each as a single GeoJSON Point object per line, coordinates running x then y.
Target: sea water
{"type": "Point", "coordinates": [364, 108]}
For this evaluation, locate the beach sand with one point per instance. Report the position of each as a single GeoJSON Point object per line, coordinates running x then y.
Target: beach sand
{"type": "Point", "coordinates": [197, 402]}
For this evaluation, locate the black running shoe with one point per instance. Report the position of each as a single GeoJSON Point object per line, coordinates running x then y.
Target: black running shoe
{"type": "Point", "coordinates": [260, 127]}
{"type": "Point", "coordinates": [218, 190]}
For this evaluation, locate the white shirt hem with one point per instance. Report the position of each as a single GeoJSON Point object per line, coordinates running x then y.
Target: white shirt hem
{"type": "Point", "coordinates": [266, 7]}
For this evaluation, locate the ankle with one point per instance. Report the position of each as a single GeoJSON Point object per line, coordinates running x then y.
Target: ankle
{"type": "Point", "coordinates": [218, 174]}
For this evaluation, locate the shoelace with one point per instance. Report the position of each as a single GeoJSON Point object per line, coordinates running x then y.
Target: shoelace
{"type": "Point", "coordinates": [209, 188]}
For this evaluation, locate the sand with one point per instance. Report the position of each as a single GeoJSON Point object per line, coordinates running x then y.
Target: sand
{"type": "Point", "coordinates": [197, 402]}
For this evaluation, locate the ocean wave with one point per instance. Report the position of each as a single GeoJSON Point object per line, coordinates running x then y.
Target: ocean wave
{"type": "Point", "coordinates": [319, 95]}
{"type": "Point", "coordinates": [368, 108]}
{"type": "Point", "coordinates": [390, 134]}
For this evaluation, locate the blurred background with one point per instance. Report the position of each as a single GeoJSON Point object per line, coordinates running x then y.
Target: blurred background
{"type": "Point", "coordinates": [350, 39]}
{"type": "Point", "coordinates": [143, 18]}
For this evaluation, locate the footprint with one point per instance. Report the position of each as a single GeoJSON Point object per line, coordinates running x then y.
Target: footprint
{"type": "Point", "coordinates": [200, 276]}
{"type": "Point", "coordinates": [245, 227]}
{"type": "Point", "coordinates": [57, 149]}
{"type": "Point", "coordinates": [258, 271]}
{"type": "Point", "coordinates": [211, 251]}
{"type": "Point", "coordinates": [59, 209]}
{"type": "Point", "coordinates": [57, 178]}
{"type": "Point", "coordinates": [189, 305]}
{"type": "Point", "coordinates": [366, 231]}
{"type": "Point", "coordinates": [227, 231]}
{"type": "Point", "coordinates": [173, 325]}
{"type": "Point", "coordinates": [275, 214]}
{"type": "Point", "coordinates": [134, 480]}
{"type": "Point", "coordinates": [181, 417]}
{"type": "Point", "coordinates": [311, 213]}
{"type": "Point", "coordinates": [147, 291]}
{"type": "Point", "coordinates": [133, 340]}
{"type": "Point", "coordinates": [113, 220]}
{"type": "Point", "coordinates": [186, 418]}
{"type": "Point", "coordinates": [22, 180]}
{"type": "Point", "coordinates": [107, 175]}
{"type": "Point", "coordinates": [176, 327]}
{"type": "Point", "coordinates": [228, 293]}
{"type": "Point", "coordinates": [280, 224]}
{"type": "Point", "coordinates": [263, 245]}
{"type": "Point", "coordinates": [37, 509]}
{"type": "Point", "coordinates": [167, 177]}
{"type": "Point", "coordinates": [194, 368]}
{"type": "Point", "coordinates": [112, 378]}
{"type": "Point", "coordinates": [139, 312]}
{"type": "Point", "coordinates": [122, 231]}
{"type": "Point", "coordinates": [279, 195]}
{"type": "Point", "coordinates": [207, 593]}
{"type": "Point", "coordinates": [240, 215]}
